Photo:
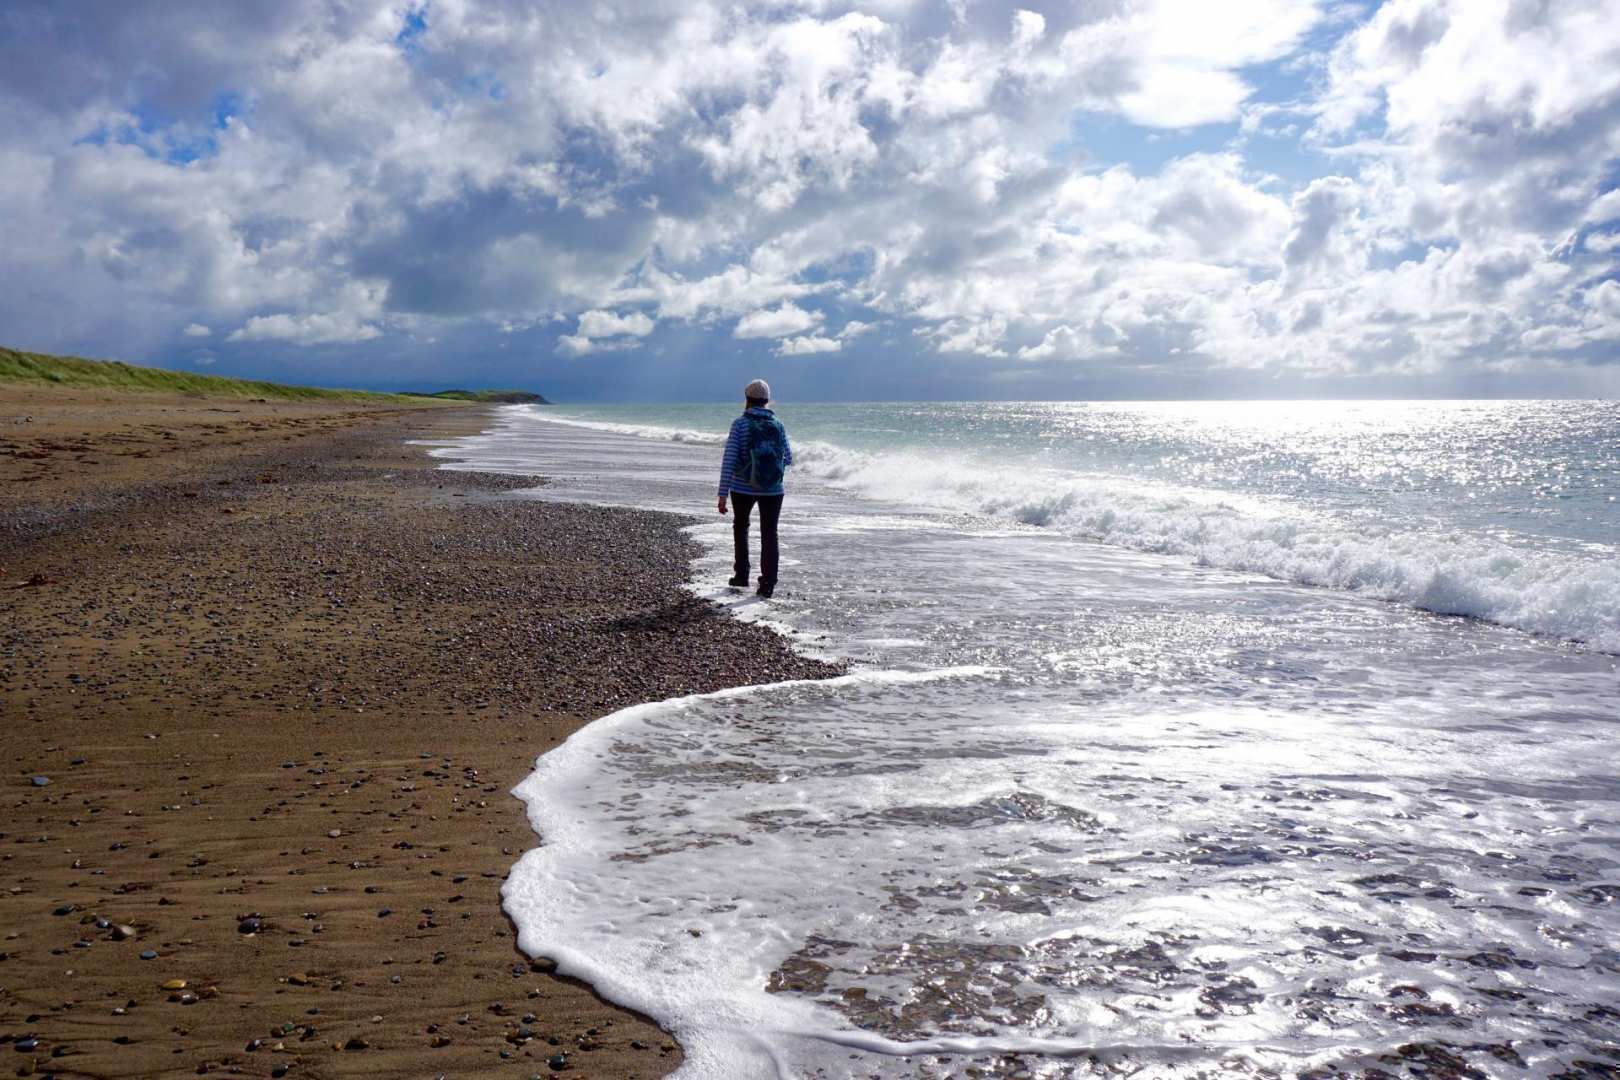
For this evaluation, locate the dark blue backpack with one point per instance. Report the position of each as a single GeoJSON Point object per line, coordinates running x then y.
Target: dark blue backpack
{"type": "Point", "coordinates": [764, 452]}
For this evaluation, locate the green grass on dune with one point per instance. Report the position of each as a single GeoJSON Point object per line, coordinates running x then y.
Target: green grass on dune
{"type": "Point", "coordinates": [71, 371]}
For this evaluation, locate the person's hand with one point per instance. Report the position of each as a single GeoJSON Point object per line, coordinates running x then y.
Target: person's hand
{"type": "Point", "coordinates": [722, 504]}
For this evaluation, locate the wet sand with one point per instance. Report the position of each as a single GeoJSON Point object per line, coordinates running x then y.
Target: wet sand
{"type": "Point", "coordinates": [266, 679]}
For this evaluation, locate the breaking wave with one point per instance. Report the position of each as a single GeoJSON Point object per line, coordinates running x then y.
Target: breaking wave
{"type": "Point", "coordinates": [1561, 595]}
{"type": "Point", "coordinates": [644, 431]}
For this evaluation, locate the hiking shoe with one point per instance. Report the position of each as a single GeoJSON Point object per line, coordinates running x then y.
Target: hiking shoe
{"type": "Point", "coordinates": [738, 581]}
{"type": "Point", "coordinates": [765, 589]}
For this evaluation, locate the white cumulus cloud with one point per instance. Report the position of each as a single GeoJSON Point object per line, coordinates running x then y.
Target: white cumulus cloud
{"type": "Point", "coordinates": [1413, 187]}
{"type": "Point", "coordinates": [780, 321]}
{"type": "Point", "coordinates": [600, 324]}
{"type": "Point", "coordinates": [313, 329]}
{"type": "Point", "coordinates": [808, 344]}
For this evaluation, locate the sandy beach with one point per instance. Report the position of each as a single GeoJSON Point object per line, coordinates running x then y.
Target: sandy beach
{"type": "Point", "coordinates": [266, 679]}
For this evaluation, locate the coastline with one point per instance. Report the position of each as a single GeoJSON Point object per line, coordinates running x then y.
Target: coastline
{"type": "Point", "coordinates": [280, 673]}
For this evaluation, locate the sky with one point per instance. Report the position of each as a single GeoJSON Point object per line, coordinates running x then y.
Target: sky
{"type": "Point", "coordinates": [904, 200]}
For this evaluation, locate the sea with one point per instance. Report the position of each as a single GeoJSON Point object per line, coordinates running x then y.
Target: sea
{"type": "Point", "coordinates": [1271, 739]}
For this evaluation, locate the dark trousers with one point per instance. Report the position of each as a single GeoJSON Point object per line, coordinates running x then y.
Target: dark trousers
{"type": "Point", "coordinates": [770, 509]}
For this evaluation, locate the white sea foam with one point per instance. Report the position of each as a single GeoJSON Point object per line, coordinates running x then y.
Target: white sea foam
{"type": "Point", "coordinates": [831, 879]}
{"type": "Point", "coordinates": [1562, 595]}
{"type": "Point", "coordinates": [560, 896]}
{"type": "Point", "coordinates": [1173, 823]}
{"type": "Point", "coordinates": [645, 431]}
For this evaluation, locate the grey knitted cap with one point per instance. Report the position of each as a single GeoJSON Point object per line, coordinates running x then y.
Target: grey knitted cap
{"type": "Point", "coordinates": [758, 389]}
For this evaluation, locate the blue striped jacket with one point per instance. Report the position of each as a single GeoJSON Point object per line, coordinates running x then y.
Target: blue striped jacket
{"type": "Point", "coordinates": [734, 444]}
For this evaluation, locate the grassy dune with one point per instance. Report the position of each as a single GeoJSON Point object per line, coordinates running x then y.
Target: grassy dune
{"type": "Point", "coordinates": [72, 371]}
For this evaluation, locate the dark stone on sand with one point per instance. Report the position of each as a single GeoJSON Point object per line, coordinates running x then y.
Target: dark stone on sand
{"type": "Point", "coordinates": [356, 1043]}
{"type": "Point", "coordinates": [570, 591]}
{"type": "Point", "coordinates": [65, 909]}
{"type": "Point", "coordinates": [557, 1062]}
{"type": "Point", "coordinates": [40, 781]}
{"type": "Point", "coordinates": [149, 954]}
{"type": "Point", "coordinates": [250, 925]}
{"type": "Point", "coordinates": [25, 1046]}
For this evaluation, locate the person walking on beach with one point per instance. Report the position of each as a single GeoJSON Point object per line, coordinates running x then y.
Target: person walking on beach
{"type": "Point", "coordinates": [757, 457]}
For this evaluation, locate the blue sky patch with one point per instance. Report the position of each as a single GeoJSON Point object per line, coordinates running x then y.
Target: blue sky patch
{"type": "Point", "coordinates": [414, 27]}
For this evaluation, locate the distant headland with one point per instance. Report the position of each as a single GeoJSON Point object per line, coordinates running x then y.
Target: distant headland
{"type": "Point", "coordinates": [488, 397]}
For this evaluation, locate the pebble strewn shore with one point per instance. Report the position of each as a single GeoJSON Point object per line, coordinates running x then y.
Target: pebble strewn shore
{"type": "Point", "coordinates": [261, 718]}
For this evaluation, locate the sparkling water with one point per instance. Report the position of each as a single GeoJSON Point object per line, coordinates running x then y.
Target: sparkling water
{"type": "Point", "coordinates": [1166, 751]}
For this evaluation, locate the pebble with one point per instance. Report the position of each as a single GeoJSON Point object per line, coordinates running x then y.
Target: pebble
{"type": "Point", "coordinates": [250, 925]}
{"type": "Point", "coordinates": [557, 1062]}
{"type": "Point", "coordinates": [569, 633]}
{"type": "Point", "coordinates": [26, 1046]}
{"type": "Point", "coordinates": [41, 781]}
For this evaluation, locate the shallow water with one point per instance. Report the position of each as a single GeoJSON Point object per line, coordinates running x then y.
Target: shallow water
{"type": "Point", "coordinates": [1087, 809]}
